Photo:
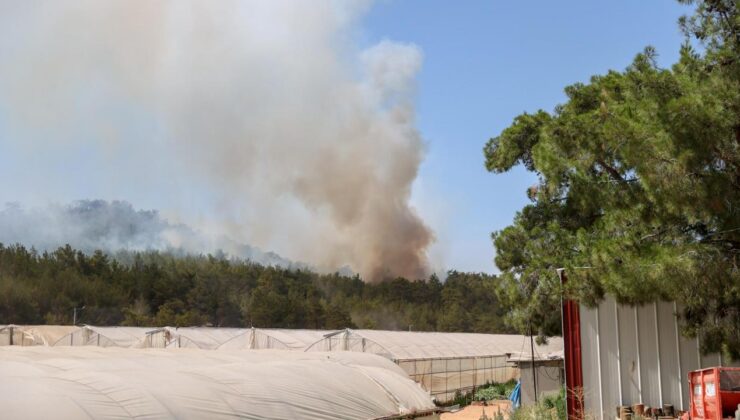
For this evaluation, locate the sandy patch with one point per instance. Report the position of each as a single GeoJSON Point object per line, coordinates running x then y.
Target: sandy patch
{"type": "Point", "coordinates": [474, 412]}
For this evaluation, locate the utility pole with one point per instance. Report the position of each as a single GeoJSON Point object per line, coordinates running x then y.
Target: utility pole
{"type": "Point", "coordinates": [534, 370]}
{"type": "Point", "coordinates": [74, 314]}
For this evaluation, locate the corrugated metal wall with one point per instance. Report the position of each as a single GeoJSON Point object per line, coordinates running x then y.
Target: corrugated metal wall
{"type": "Point", "coordinates": [636, 355]}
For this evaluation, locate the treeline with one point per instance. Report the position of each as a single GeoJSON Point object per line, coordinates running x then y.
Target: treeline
{"type": "Point", "coordinates": [154, 289]}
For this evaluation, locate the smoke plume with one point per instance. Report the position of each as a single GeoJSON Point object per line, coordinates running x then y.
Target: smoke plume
{"type": "Point", "coordinates": [91, 225]}
{"type": "Point", "coordinates": [267, 111]}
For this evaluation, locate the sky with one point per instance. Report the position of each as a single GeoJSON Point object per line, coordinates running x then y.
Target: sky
{"type": "Point", "coordinates": [485, 62]}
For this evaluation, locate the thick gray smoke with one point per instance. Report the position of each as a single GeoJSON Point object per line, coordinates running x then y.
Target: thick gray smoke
{"type": "Point", "coordinates": [301, 142]}
{"type": "Point", "coordinates": [91, 225]}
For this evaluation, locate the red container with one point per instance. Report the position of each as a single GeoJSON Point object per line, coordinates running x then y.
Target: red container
{"type": "Point", "coordinates": [715, 393]}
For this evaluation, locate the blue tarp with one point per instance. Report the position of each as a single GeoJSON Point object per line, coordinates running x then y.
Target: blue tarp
{"type": "Point", "coordinates": [516, 396]}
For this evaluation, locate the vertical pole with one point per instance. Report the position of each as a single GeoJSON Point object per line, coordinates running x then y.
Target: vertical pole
{"type": "Point", "coordinates": [678, 353]}
{"type": "Point", "coordinates": [571, 327]}
{"type": "Point", "coordinates": [74, 314]}
{"type": "Point", "coordinates": [459, 375]}
{"type": "Point", "coordinates": [598, 364]}
{"type": "Point", "coordinates": [657, 341]}
{"type": "Point", "coordinates": [619, 354]}
{"type": "Point", "coordinates": [637, 343]}
{"type": "Point", "coordinates": [534, 371]}
{"type": "Point", "coordinates": [698, 351]}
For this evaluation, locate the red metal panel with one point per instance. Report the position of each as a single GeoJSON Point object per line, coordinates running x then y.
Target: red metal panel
{"type": "Point", "coordinates": [573, 366]}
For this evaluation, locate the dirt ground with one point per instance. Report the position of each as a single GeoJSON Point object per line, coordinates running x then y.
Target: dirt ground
{"type": "Point", "coordinates": [474, 412]}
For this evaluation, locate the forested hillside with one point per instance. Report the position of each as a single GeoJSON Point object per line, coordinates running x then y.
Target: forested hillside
{"type": "Point", "coordinates": [152, 288]}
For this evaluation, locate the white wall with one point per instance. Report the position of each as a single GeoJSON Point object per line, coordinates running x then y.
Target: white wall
{"type": "Point", "coordinates": [550, 380]}
{"type": "Point", "coordinates": [636, 355]}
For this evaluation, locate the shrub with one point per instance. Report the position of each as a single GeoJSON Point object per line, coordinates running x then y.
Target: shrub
{"type": "Point", "coordinates": [552, 407]}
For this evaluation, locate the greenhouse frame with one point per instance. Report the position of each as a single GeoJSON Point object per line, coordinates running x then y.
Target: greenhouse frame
{"type": "Point", "coordinates": [206, 338]}
{"type": "Point", "coordinates": [275, 338]}
{"type": "Point", "coordinates": [89, 335]}
{"type": "Point", "coordinates": [33, 335]}
{"type": "Point", "coordinates": [442, 363]}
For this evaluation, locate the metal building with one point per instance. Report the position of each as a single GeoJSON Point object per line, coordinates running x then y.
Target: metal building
{"type": "Point", "coordinates": [622, 355]}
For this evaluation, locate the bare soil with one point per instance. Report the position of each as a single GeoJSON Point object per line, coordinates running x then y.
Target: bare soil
{"type": "Point", "coordinates": [474, 412]}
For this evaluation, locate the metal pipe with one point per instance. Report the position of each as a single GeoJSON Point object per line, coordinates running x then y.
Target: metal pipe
{"type": "Point", "coordinates": [598, 364]}
{"type": "Point", "coordinates": [678, 353]}
{"type": "Point", "coordinates": [534, 370]}
{"type": "Point", "coordinates": [74, 314]}
{"type": "Point", "coordinates": [637, 342]}
{"type": "Point", "coordinates": [619, 354]}
{"type": "Point", "coordinates": [657, 345]}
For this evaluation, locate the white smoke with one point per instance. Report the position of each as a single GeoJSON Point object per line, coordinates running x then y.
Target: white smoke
{"type": "Point", "coordinates": [91, 225]}
{"type": "Point", "coordinates": [267, 109]}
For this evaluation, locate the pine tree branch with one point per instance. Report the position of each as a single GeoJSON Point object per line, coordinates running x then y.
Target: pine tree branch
{"type": "Point", "coordinates": [611, 170]}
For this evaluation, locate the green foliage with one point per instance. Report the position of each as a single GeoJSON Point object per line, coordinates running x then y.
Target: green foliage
{"type": "Point", "coordinates": [487, 392]}
{"type": "Point", "coordinates": [552, 407]}
{"type": "Point", "coordinates": [495, 391]}
{"type": "Point", "coordinates": [461, 398]}
{"type": "Point", "coordinates": [154, 289]}
{"type": "Point", "coordinates": [639, 191]}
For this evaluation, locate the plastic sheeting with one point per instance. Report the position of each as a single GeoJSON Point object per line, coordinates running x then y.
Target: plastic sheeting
{"type": "Point", "coordinates": [105, 337]}
{"type": "Point", "coordinates": [33, 335]}
{"type": "Point", "coordinates": [191, 337]}
{"type": "Point", "coordinates": [401, 345]}
{"type": "Point", "coordinates": [283, 339]}
{"type": "Point", "coordinates": [443, 363]}
{"type": "Point", "coordinates": [90, 382]}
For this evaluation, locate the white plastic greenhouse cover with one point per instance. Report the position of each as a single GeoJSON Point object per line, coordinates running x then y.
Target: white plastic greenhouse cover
{"type": "Point", "coordinates": [105, 337]}
{"type": "Point", "coordinates": [34, 335]}
{"type": "Point", "coordinates": [92, 382]}
{"type": "Point", "coordinates": [193, 337]}
{"type": "Point", "coordinates": [404, 345]}
{"type": "Point", "coordinates": [284, 339]}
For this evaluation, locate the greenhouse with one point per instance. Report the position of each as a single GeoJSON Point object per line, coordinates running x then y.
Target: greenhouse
{"type": "Point", "coordinates": [91, 382]}
{"type": "Point", "coordinates": [442, 363]}
{"type": "Point", "coordinates": [190, 337]}
{"type": "Point", "coordinates": [89, 335]}
{"type": "Point", "coordinates": [33, 335]}
{"type": "Point", "coordinates": [280, 339]}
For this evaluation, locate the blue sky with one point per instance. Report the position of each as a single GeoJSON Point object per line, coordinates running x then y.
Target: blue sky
{"type": "Point", "coordinates": [486, 62]}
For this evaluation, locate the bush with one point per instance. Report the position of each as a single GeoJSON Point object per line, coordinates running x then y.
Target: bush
{"type": "Point", "coordinates": [552, 407]}
{"type": "Point", "coordinates": [495, 391]}
{"type": "Point", "coordinates": [487, 392]}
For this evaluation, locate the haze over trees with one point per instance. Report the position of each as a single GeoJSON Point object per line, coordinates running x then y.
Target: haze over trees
{"type": "Point", "coordinates": [639, 188]}
{"type": "Point", "coordinates": [156, 289]}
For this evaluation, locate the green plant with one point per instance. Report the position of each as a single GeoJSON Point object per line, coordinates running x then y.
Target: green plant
{"type": "Point", "coordinates": [462, 399]}
{"type": "Point", "coordinates": [552, 407]}
{"type": "Point", "coordinates": [487, 392]}
{"type": "Point", "coordinates": [494, 391]}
